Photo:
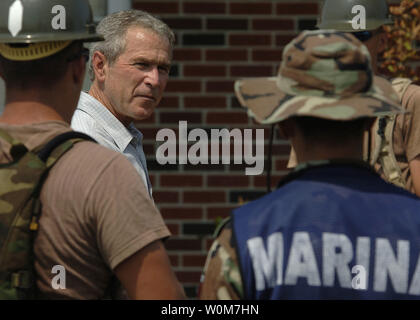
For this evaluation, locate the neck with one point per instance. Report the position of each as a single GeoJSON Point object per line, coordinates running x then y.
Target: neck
{"type": "Point", "coordinates": [40, 104]}
{"type": "Point", "coordinates": [96, 92]}
{"type": "Point", "coordinates": [353, 151]}
{"type": "Point", "coordinates": [31, 107]}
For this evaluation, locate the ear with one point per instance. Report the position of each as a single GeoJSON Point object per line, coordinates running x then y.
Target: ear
{"type": "Point", "coordinates": [99, 65]}
{"type": "Point", "coordinates": [382, 42]}
{"type": "Point", "coordinates": [78, 70]}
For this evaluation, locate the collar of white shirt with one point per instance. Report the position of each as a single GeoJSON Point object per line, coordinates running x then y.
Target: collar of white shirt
{"type": "Point", "coordinates": [121, 135]}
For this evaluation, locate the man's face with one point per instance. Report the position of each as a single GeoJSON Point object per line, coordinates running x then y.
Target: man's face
{"type": "Point", "coordinates": [376, 44]}
{"type": "Point", "coordinates": [135, 82]}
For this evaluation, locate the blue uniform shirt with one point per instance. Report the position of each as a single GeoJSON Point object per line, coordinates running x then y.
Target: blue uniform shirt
{"type": "Point", "coordinates": [330, 232]}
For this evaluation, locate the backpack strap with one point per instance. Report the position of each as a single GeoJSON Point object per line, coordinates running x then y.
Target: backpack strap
{"type": "Point", "coordinates": [50, 153]}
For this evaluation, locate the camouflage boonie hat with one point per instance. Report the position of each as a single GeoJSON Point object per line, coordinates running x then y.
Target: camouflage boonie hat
{"type": "Point", "coordinates": [324, 74]}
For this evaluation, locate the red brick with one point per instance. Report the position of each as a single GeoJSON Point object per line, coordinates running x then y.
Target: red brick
{"type": "Point", "coordinates": [220, 86]}
{"type": "Point", "coordinates": [181, 181]}
{"type": "Point", "coordinates": [297, 8]}
{"type": "Point", "coordinates": [188, 276]}
{"type": "Point", "coordinates": [261, 181]}
{"type": "Point", "coordinates": [267, 55]}
{"type": "Point", "coordinates": [251, 8]}
{"type": "Point", "coordinates": [157, 7]}
{"type": "Point", "coordinates": [227, 117]}
{"type": "Point", "coordinates": [184, 23]}
{"type": "Point", "coordinates": [250, 40]}
{"type": "Point", "coordinates": [193, 260]}
{"type": "Point", "coordinates": [149, 133]}
{"type": "Point", "coordinates": [175, 117]}
{"type": "Point", "coordinates": [187, 54]}
{"type": "Point", "coordinates": [183, 86]}
{"type": "Point", "coordinates": [284, 39]}
{"type": "Point", "coordinates": [219, 212]}
{"type": "Point", "coordinates": [227, 180]}
{"type": "Point", "coordinates": [281, 164]}
{"type": "Point", "coordinates": [181, 213]}
{"type": "Point", "coordinates": [204, 7]}
{"type": "Point", "coordinates": [173, 244]}
{"type": "Point", "coordinates": [282, 149]}
{"type": "Point", "coordinates": [273, 24]}
{"type": "Point", "coordinates": [152, 179]}
{"type": "Point", "coordinates": [205, 102]}
{"type": "Point", "coordinates": [226, 55]}
{"type": "Point", "coordinates": [251, 71]}
{"type": "Point", "coordinates": [204, 71]}
{"type": "Point", "coordinates": [203, 167]}
{"type": "Point", "coordinates": [173, 228]}
{"type": "Point", "coordinates": [200, 39]}
{"type": "Point", "coordinates": [165, 196]}
{"type": "Point", "coordinates": [208, 243]}
{"type": "Point", "coordinates": [169, 102]}
{"type": "Point", "coordinates": [204, 196]}
{"type": "Point", "coordinates": [234, 103]}
{"type": "Point", "coordinates": [227, 24]}
{"type": "Point", "coordinates": [149, 149]}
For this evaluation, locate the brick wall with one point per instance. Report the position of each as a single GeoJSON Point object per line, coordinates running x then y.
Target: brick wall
{"type": "Point", "coordinates": [217, 42]}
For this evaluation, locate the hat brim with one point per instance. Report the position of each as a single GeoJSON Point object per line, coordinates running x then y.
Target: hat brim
{"type": "Point", "coordinates": [267, 103]}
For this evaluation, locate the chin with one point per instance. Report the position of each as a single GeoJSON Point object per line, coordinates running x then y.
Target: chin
{"type": "Point", "coordinates": [143, 114]}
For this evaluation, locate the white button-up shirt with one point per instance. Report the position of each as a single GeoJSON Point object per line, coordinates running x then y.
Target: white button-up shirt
{"type": "Point", "coordinates": [94, 119]}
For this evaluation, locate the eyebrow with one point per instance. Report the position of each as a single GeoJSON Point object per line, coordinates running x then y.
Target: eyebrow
{"type": "Point", "coordinates": [151, 61]}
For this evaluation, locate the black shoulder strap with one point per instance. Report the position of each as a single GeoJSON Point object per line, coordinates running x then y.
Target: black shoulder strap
{"type": "Point", "coordinates": [58, 140]}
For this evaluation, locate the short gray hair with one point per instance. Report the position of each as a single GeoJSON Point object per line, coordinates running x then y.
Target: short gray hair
{"type": "Point", "coordinates": [114, 29]}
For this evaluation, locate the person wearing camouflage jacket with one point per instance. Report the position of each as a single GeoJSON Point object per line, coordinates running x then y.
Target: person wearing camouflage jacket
{"type": "Point", "coordinates": [333, 229]}
{"type": "Point", "coordinates": [393, 145]}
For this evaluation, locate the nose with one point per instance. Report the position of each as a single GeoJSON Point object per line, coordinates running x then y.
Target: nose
{"type": "Point", "coordinates": [153, 77]}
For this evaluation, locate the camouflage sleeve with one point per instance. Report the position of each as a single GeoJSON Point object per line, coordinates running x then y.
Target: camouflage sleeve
{"type": "Point", "coordinates": [221, 279]}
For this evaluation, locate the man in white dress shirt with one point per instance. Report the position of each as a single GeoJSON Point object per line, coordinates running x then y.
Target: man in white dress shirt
{"type": "Point", "coordinates": [129, 72]}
